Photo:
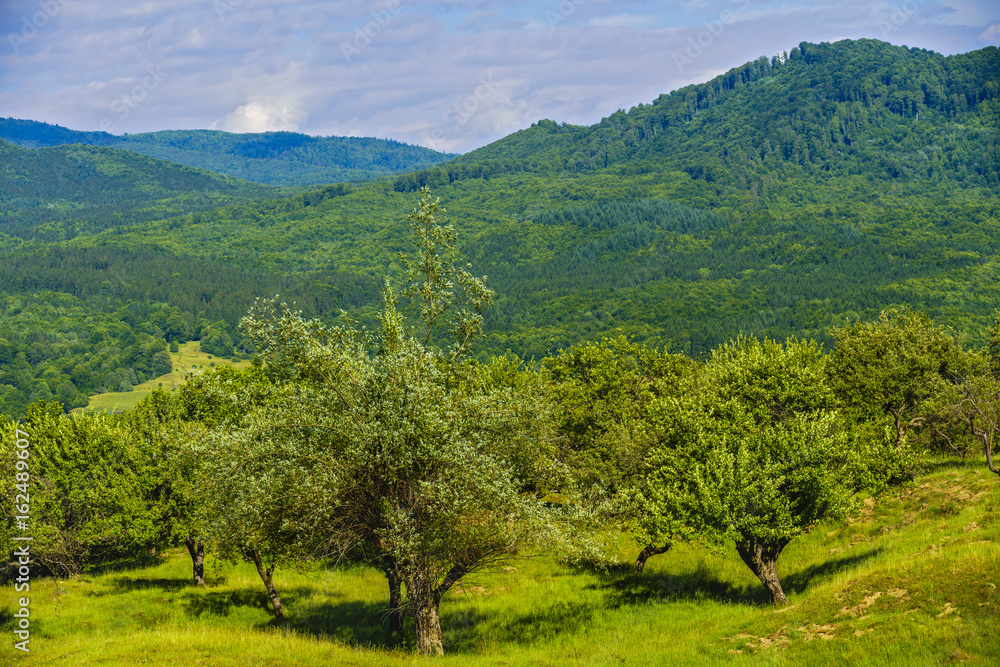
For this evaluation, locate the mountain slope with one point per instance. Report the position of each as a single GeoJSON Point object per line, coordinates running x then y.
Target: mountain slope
{"type": "Point", "coordinates": [273, 158]}
{"type": "Point", "coordinates": [59, 192]}
{"type": "Point", "coordinates": [829, 109]}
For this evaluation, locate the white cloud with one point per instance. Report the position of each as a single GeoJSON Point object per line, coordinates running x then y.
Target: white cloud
{"type": "Point", "coordinates": [261, 116]}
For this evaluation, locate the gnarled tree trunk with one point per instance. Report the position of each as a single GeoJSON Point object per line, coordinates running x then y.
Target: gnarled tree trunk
{"type": "Point", "coordinates": [762, 559]}
{"type": "Point", "coordinates": [197, 551]}
{"type": "Point", "coordinates": [395, 605]}
{"type": "Point", "coordinates": [266, 575]}
{"type": "Point", "coordinates": [649, 550]}
{"type": "Point", "coordinates": [424, 603]}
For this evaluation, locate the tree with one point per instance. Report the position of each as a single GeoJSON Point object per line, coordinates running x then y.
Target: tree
{"type": "Point", "coordinates": [992, 350]}
{"type": "Point", "coordinates": [977, 406]}
{"type": "Point", "coordinates": [211, 466]}
{"type": "Point", "coordinates": [894, 366]}
{"type": "Point", "coordinates": [387, 442]}
{"type": "Point", "coordinates": [93, 488]}
{"type": "Point", "coordinates": [756, 457]}
{"type": "Point", "coordinates": [606, 395]}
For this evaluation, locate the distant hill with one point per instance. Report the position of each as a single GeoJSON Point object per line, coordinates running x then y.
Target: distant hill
{"type": "Point", "coordinates": [62, 191]}
{"type": "Point", "coordinates": [272, 158]}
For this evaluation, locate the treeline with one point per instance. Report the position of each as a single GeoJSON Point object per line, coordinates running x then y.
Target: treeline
{"type": "Point", "coordinates": [78, 322]}
{"type": "Point", "coordinates": [683, 279]}
{"type": "Point", "coordinates": [54, 348]}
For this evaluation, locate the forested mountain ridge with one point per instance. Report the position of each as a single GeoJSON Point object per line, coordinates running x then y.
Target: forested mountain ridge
{"type": "Point", "coordinates": [272, 158]}
{"type": "Point", "coordinates": [834, 109]}
{"type": "Point", "coordinates": [684, 241]}
{"type": "Point", "coordinates": [60, 192]}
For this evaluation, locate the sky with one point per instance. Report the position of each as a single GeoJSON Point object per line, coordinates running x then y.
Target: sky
{"type": "Point", "coordinates": [451, 75]}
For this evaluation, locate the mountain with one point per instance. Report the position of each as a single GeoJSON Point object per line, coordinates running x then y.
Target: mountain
{"type": "Point", "coordinates": [272, 158]}
{"type": "Point", "coordinates": [60, 192]}
{"type": "Point", "coordinates": [832, 109]}
{"type": "Point", "coordinates": [780, 201]}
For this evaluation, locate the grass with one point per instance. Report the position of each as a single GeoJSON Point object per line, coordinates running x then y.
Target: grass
{"type": "Point", "coordinates": [188, 356]}
{"type": "Point", "coordinates": [910, 580]}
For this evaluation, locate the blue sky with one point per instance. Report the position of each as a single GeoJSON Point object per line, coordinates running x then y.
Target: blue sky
{"type": "Point", "coordinates": [452, 74]}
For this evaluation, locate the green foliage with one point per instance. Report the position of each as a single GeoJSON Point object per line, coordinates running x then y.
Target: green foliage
{"type": "Point", "coordinates": [53, 347]}
{"type": "Point", "coordinates": [826, 110]}
{"type": "Point", "coordinates": [94, 487]}
{"type": "Point", "coordinates": [756, 458]}
{"type": "Point", "coordinates": [432, 274]}
{"type": "Point", "coordinates": [781, 199]}
{"type": "Point", "coordinates": [381, 443]}
{"type": "Point", "coordinates": [895, 367]}
{"type": "Point", "coordinates": [861, 593]}
{"type": "Point", "coordinates": [993, 346]}
{"type": "Point", "coordinates": [51, 194]}
{"type": "Point", "coordinates": [607, 394]}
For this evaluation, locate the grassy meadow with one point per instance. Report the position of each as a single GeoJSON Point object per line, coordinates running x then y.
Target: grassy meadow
{"type": "Point", "coordinates": [188, 357]}
{"type": "Point", "coordinates": [912, 579]}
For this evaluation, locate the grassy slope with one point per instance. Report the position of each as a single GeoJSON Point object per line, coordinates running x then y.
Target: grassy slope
{"type": "Point", "coordinates": [187, 357]}
{"type": "Point", "coordinates": [911, 580]}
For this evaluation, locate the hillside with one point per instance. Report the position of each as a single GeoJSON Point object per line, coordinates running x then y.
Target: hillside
{"type": "Point", "coordinates": [911, 579]}
{"type": "Point", "coordinates": [271, 158]}
{"type": "Point", "coordinates": [827, 110]}
{"type": "Point", "coordinates": [61, 192]}
{"type": "Point", "coordinates": [850, 202]}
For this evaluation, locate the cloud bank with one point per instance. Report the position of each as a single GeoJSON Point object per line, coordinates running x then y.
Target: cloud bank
{"type": "Point", "coordinates": [449, 74]}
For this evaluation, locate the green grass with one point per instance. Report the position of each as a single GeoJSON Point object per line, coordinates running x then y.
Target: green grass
{"type": "Point", "coordinates": [188, 357]}
{"type": "Point", "coordinates": [910, 580]}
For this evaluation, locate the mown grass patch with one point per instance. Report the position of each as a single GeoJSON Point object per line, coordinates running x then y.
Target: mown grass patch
{"type": "Point", "coordinates": [912, 579]}
{"type": "Point", "coordinates": [187, 358]}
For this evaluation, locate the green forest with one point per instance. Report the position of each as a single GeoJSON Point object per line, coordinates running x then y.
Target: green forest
{"type": "Point", "coordinates": [786, 197]}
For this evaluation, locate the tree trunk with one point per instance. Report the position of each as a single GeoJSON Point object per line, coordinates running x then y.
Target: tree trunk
{"type": "Point", "coordinates": [650, 550]}
{"type": "Point", "coordinates": [266, 575]}
{"type": "Point", "coordinates": [424, 603]}
{"type": "Point", "coordinates": [197, 551]}
{"type": "Point", "coordinates": [395, 605]}
{"type": "Point", "coordinates": [762, 559]}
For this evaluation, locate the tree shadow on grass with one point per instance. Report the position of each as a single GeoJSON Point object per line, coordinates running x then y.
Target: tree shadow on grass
{"type": "Point", "coordinates": [351, 622]}
{"type": "Point", "coordinates": [702, 584]}
{"type": "Point", "coordinates": [136, 562]}
{"type": "Point", "coordinates": [124, 584]}
{"type": "Point", "coordinates": [543, 625]}
{"type": "Point", "coordinates": [222, 602]}
{"type": "Point", "coordinates": [797, 582]}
